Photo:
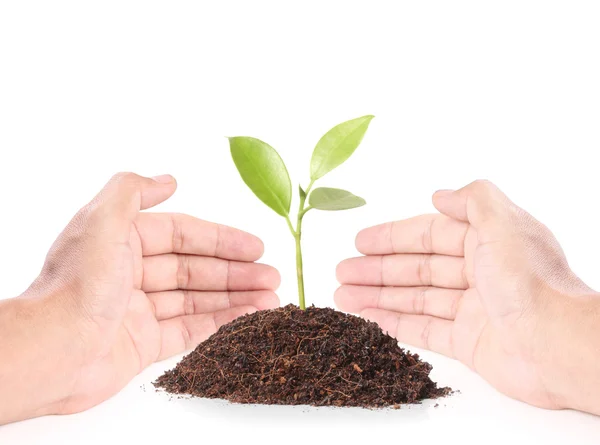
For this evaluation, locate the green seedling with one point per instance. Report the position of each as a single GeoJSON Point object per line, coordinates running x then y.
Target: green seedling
{"type": "Point", "coordinates": [264, 172]}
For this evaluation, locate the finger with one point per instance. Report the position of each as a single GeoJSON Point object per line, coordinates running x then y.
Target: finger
{"type": "Point", "coordinates": [422, 234]}
{"type": "Point", "coordinates": [480, 203]}
{"type": "Point", "coordinates": [180, 334]}
{"type": "Point", "coordinates": [404, 270]}
{"type": "Point", "coordinates": [422, 331]}
{"type": "Point", "coordinates": [171, 272]}
{"type": "Point", "coordinates": [125, 189]}
{"type": "Point", "coordinates": [175, 233]}
{"type": "Point", "coordinates": [176, 303]}
{"type": "Point", "coordinates": [118, 203]}
{"type": "Point", "coordinates": [434, 301]}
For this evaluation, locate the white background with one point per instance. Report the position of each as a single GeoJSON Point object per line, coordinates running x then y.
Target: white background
{"type": "Point", "coordinates": [508, 91]}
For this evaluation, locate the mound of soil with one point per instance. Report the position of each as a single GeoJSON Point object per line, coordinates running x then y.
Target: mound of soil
{"type": "Point", "coordinates": [314, 357]}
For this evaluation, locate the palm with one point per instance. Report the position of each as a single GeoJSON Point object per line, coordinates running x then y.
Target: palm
{"type": "Point", "coordinates": [490, 329]}
{"type": "Point", "coordinates": [486, 347]}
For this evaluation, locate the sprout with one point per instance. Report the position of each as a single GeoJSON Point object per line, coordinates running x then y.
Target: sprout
{"type": "Point", "coordinates": [264, 172]}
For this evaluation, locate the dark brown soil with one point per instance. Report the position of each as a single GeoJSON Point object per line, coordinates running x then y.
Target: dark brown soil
{"type": "Point", "coordinates": [315, 357]}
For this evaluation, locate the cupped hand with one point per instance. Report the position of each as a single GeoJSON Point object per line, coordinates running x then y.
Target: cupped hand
{"type": "Point", "coordinates": [131, 288]}
{"type": "Point", "coordinates": [482, 282]}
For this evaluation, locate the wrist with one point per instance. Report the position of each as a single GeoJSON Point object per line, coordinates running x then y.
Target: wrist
{"type": "Point", "coordinates": [36, 371]}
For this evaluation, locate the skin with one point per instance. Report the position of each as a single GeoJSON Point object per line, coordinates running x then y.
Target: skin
{"type": "Point", "coordinates": [120, 290]}
{"type": "Point", "coordinates": [482, 282]}
{"type": "Point", "coordinates": [485, 283]}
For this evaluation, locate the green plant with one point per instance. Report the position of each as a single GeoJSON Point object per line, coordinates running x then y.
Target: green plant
{"type": "Point", "coordinates": [264, 172]}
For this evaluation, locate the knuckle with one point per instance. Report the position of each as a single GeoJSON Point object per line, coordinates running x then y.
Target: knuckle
{"type": "Point", "coordinates": [183, 271]}
{"type": "Point", "coordinates": [178, 237]}
{"type": "Point", "coordinates": [419, 301]}
{"type": "Point", "coordinates": [124, 177]}
{"type": "Point", "coordinates": [228, 275]}
{"type": "Point", "coordinates": [424, 271]}
{"type": "Point", "coordinates": [126, 182]}
{"type": "Point", "coordinates": [481, 187]}
{"type": "Point", "coordinates": [426, 334]}
{"type": "Point", "coordinates": [189, 307]}
{"type": "Point", "coordinates": [427, 237]}
{"type": "Point", "coordinates": [380, 297]}
{"type": "Point", "coordinates": [228, 295]}
{"type": "Point", "coordinates": [482, 184]}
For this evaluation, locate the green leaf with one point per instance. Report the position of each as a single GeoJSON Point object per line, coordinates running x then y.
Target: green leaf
{"type": "Point", "coordinates": [325, 198]}
{"type": "Point", "coordinates": [302, 192]}
{"type": "Point", "coordinates": [337, 145]}
{"type": "Point", "coordinates": [263, 170]}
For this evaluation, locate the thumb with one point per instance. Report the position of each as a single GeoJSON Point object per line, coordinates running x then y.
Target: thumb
{"type": "Point", "coordinates": [119, 202]}
{"type": "Point", "coordinates": [480, 203]}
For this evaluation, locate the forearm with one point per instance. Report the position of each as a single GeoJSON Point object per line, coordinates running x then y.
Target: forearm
{"type": "Point", "coordinates": [33, 352]}
{"type": "Point", "coordinates": [573, 362]}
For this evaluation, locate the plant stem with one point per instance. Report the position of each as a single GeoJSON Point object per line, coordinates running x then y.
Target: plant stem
{"type": "Point", "coordinates": [305, 210]}
{"type": "Point", "coordinates": [289, 223]}
{"type": "Point", "coordinates": [299, 270]}
{"type": "Point", "coordinates": [298, 237]}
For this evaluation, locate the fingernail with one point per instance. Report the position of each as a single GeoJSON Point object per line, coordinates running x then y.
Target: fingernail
{"type": "Point", "coordinates": [163, 179]}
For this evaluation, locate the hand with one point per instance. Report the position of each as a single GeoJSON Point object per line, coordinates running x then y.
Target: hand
{"type": "Point", "coordinates": [122, 289]}
{"type": "Point", "coordinates": [482, 282]}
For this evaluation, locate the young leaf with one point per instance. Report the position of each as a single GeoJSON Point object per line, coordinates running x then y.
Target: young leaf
{"type": "Point", "coordinates": [263, 170]}
{"type": "Point", "coordinates": [337, 145]}
{"type": "Point", "coordinates": [325, 198]}
{"type": "Point", "coordinates": [302, 192]}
